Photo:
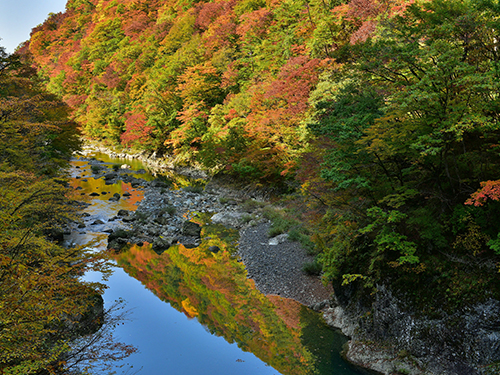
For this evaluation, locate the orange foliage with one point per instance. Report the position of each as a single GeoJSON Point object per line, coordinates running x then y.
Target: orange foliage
{"type": "Point", "coordinates": [488, 190]}
{"type": "Point", "coordinates": [136, 129]}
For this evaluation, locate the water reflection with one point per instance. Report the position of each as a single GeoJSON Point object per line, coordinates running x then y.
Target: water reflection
{"type": "Point", "coordinates": [213, 292]}
{"type": "Point", "coordinates": [214, 289]}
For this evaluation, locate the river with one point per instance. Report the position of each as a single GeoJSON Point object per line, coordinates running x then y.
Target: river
{"type": "Point", "coordinates": [193, 312]}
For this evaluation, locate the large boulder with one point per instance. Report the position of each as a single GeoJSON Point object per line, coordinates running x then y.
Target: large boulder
{"type": "Point", "coordinates": [229, 218]}
{"type": "Point", "coordinates": [110, 176]}
{"type": "Point", "coordinates": [161, 243]}
{"type": "Point", "coordinates": [119, 239]}
{"type": "Point", "coordinates": [191, 229]}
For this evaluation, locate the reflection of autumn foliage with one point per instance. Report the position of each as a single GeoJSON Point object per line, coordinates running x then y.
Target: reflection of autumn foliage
{"type": "Point", "coordinates": [215, 289]}
{"type": "Point", "coordinates": [49, 320]}
{"type": "Point", "coordinates": [288, 310]}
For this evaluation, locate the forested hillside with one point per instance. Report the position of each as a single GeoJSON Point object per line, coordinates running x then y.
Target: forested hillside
{"type": "Point", "coordinates": [384, 114]}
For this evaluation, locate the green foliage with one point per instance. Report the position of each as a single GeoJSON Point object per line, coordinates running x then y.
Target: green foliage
{"type": "Point", "coordinates": [387, 238]}
{"type": "Point", "coordinates": [405, 121]}
{"type": "Point", "coordinates": [313, 268]}
{"type": "Point", "coordinates": [44, 306]}
{"type": "Point", "coordinates": [197, 189]}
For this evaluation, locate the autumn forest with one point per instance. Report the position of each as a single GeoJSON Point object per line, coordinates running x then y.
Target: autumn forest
{"type": "Point", "coordinates": [379, 119]}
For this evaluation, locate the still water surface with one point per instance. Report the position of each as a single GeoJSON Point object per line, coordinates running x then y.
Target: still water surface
{"type": "Point", "coordinates": [194, 312]}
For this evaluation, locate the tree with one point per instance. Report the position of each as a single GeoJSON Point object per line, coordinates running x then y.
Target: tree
{"type": "Point", "coordinates": [44, 306]}
{"type": "Point", "coordinates": [412, 119]}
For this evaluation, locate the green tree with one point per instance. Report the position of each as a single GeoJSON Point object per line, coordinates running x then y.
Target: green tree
{"type": "Point", "coordinates": [44, 306]}
{"type": "Point", "coordinates": [413, 127]}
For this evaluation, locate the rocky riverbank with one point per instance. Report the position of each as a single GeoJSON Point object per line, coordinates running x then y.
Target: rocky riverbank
{"type": "Point", "coordinates": [164, 218]}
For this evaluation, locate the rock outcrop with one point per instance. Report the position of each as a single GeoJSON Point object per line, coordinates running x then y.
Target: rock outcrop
{"type": "Point", "coordinates": [390, 337]}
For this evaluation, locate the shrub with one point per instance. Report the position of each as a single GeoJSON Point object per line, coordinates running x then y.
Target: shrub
{"type": "Point", "coordinates": [312, 268]}
{"type": "Point", "coordinates": [197, 189]}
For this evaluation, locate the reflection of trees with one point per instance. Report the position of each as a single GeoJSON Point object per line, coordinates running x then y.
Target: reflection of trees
{"type": "Point", "coordinates": [98, 352]}
{"type": "Point", "coordinates": [214, 289]}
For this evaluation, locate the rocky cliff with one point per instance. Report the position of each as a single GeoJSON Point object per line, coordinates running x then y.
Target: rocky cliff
{"type": "Point", "coordinates": [390, 337]}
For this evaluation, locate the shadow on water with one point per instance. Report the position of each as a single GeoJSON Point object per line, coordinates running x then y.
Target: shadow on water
{"type": "Point", "coordinates": [211, 288]}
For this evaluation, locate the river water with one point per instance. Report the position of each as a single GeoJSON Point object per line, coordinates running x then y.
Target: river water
{"type": "Point", "coordinates": [193, 312]}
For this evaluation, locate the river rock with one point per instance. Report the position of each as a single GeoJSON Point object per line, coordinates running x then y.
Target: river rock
{"type": "Point", "coordinates": [160, 244]}
{"type": "Point", "coordinates": [110, 176]}
{"type": "Point", "coordinates": [117, 244]}
{"type": "Point", "coordinates": [115, 198]}
{"type": "Point", "coordinates": [190, 242]}
{"type": "Point", "coordinates": [190, 228]}
{"type": "Point", "coordinates": [229, 218]}
{"type": "Point", "coordinates": [123, 213]}
{"type": "Point", "coordinates": [159, 184]}
{"type": "Point", "coordinates": [214, 249]}
{"type": "Point", "coordinates": [94, 194]}
{"type": "Point", "coordinates": [278, 239]}
{"type": "Point", "coordinates": [162, 219]}
{"type": "Point", "coordinates": [119, 238]}
{"type": "Point", "coordinates": [128, 218]}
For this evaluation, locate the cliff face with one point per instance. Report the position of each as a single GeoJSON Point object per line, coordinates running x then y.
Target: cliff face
{"type": "Point", "coordinates": [389, 337]}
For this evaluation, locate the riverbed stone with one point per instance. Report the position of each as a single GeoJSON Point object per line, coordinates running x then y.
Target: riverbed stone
{"type": "Point", "coordinates": [190, 228]}
{"type": "Point", "coordinates": [190, 242]}
{"type": "Point", "coordinates": [229, 218]}
{"type": "Point", "coordinates": [123, 213]}
{"type": "Point", "coordinates": [278, 239]}
{"type": "Point", "coordinates": [110, 176]}
{"type": "Point", "coordinates": [128, 219]}
{"type": "Point", "coordinates": [159, 184]}
{"type": "Point", "coordinates": [115, 198]}
{"type": "Point", "coordinates": [214, 249]}
{"type": "Point", "coordinates": [160, 244]}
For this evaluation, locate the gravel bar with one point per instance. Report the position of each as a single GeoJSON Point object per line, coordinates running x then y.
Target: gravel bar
{"type": "Point", "coordinates": [277, 269]}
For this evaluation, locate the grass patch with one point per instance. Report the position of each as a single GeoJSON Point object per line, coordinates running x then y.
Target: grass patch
{"type": "Point", "coordinates": [301, 235]}
{"type": "Point", "coordinates": [247, 218]}
{"type": "Point", "coordinates": [252, 204]}
{"type": "Point", "coordinates": [279, 223]}
{"type": "Point", "coordinates": [116, 167]}
{"type": "Point", "coordinates": [313, 268]}
{"type": "Point", "coordinates": [95, 169]}
{"type": "Point", "coordinates": [193, 189]}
